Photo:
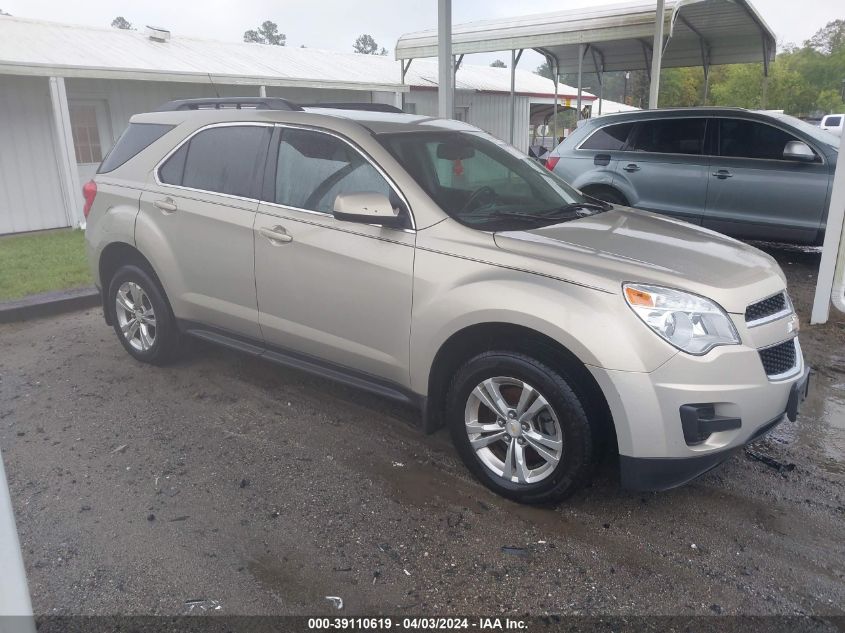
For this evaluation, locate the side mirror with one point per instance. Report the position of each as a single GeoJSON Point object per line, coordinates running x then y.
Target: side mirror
{"type": "Point", "coordinates": [367, 208]}
{"type": "Point", "coordinates": [798, 150]}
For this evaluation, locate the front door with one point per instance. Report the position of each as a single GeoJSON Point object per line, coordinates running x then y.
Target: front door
{"type": "Point", "coordinates": [196, 218]}
{"type": "Point", "coordinates": [338, 291]}
{"type": "Point", "coordinates": [664, 168]}
{"type": "Point", "coordinates": [756, 194]}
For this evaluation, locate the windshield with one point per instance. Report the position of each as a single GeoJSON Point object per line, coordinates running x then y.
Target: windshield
{"type": "Point", "coordinates": [818, 134]}
{"type": "Point", "coordinates": [486, 184]}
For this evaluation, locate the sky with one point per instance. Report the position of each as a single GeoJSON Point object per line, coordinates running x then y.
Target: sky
{"type": "Point", "coordinates": [334, 24]}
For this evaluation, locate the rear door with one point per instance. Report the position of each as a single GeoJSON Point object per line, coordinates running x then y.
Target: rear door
{"type": "Point", "coordinates": [196, 223]}
{"type": "Point", "coordinates": [338, 291]}
{"type": "Point", "coordinates": [664, 167]}
{"type": "Point", "coordinates": [594, 161]}
{"type": "Point", "coordinates": [755, 193]}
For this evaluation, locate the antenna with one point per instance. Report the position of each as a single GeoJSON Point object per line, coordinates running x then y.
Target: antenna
{"type": "Point", "coordinates": [212, 85]}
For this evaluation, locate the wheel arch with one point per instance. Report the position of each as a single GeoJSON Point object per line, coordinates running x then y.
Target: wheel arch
{"type": "Point", "coordinates": [475, 339]}
{"type": "Point", "coordinates": [115, 255]}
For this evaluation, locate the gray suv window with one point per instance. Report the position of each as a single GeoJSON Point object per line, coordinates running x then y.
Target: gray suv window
{"type": "Point", "coordinates": [611, 137]}
{"type": "Point", "coordinates": [739, 138]}
{"type": "Point", "coordinates": [670, 136]}
{"type": "Point", "coordinates": [313, 168]}
{"type": "Point", "coordinates": [220, 160]}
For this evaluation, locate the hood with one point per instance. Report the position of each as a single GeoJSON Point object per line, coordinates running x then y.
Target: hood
{"type": "Point", "coordinates": [627, 245]}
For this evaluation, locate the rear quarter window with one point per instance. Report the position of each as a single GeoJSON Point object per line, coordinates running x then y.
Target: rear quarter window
{"type": "Point", "coordinates": [610, 137]}
{"type": "Point", "coordinates": [135, 139]}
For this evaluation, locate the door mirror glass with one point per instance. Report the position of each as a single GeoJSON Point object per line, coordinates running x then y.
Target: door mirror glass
{"type": "Point", "coordinates": [367, 208]}
{"type": "Point", "coordinates": [797, 150]}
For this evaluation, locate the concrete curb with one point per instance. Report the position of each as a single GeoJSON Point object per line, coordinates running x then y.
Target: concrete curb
{"type": "Point", "coordinates": [48, 304]}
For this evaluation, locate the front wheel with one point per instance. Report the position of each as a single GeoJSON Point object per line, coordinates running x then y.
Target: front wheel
{"type": "Point", "coordinates": [520, 427]}
{"type": "Point", "coordinates": [142, 318]}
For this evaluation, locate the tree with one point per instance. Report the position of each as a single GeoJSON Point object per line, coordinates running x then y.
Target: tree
{"type": "Point", "coordinates": [122, 23]}
{"type": "Point", "coordinates": [498, 64]}
{"type": "Point", "coordinates": [267, 33]}
{"type": "Point", "coordinates": [366, 45]}
{"type": "Point", "coordinates": [544, 70]}
{"type": "Point", "coordinates": [829, 39]}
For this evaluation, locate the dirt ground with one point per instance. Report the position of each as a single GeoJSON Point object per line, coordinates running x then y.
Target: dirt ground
{"type": "Point", "coordinates": [225, 484]}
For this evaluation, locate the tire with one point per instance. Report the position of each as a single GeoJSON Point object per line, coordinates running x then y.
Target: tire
{"type": "Point", "coordinates": [607, 195]}
{"type": "Point", "coordinates": [154, 336]}
{"type": "Point", "coordinates": [563, 418]}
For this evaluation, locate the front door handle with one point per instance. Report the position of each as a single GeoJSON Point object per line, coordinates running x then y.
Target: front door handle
{"type": "Point", "coordinates": [167, 205]}
{"type": "Point", "coordinates": [277, 235]}
{"type": "Point", "coordinates": [722, 174]}
{"type": "Point", "coordinates": [631, 167]}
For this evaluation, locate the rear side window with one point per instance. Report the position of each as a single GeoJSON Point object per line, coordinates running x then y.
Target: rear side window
{"type": "Point", "coordinates": [135, 138]}
{"type": "Point", "coordinates": [670, 136]}
{"type": "Point", "coordinates": [611, 137]}
{"type": "Point", "coordinates": [748, 139]}
{"type": "Point", "coordinates": [313, 168]}
{"type": "Point", "coordinates": [225, 160]}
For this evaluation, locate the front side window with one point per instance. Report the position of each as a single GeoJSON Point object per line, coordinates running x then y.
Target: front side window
{"type": "Point", "coordinates": [833, 121]}
{"type": "Point", "coordinates": [670, 136]}
{"type": "Point", "coordinates": [611, 137]}
{"type": "Point", "coordinates": [312, 168]}
{"type": "Point", "coordinates": [484, 183]}
{"type": "Point", "coordinates": [226, 160]}
{"type": "Point", "coordinates": [739, 138]}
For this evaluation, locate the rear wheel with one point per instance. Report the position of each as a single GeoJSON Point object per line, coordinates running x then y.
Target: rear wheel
{"type": "Point", "coordinates": [142, 318]}
{"type": "Point", "coordinates": [520, 427]}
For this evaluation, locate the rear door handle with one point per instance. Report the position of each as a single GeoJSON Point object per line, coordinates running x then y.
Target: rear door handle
{"type": "Point", "coordinates": [631, 167]}
{"type": "Point", "coordinates": [277, 235]}
{"type": "Point", "coordinates": [722, 174]}
{"type": "Point", "coordinates": [167, 205]}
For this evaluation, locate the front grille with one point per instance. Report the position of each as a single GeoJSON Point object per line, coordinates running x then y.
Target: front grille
{"type": "Point", "coordinates": [765, 308]}
{"type": "Point", "coordinates": [778, 359]}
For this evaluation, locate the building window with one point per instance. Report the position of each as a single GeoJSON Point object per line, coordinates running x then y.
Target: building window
{"type": "Point", "coordinates": [86, 133]}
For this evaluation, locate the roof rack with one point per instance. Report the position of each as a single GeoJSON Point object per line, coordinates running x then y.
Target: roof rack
{"type": "Point", "coordinates": [367, 106]}
{"type": "Point", "coordinates": [220, 103]}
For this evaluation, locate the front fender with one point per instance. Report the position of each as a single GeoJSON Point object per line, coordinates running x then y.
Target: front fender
{"type": "Point", "coordinates": [594, 325]}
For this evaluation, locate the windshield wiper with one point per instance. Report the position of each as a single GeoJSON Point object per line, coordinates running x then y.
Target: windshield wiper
{"type": "Point", "coordinates": [573, 206]}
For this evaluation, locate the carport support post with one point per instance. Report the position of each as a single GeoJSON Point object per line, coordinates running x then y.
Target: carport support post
{"type": "Point", "coordinates": [833, 249]}
{"type": "Point", "coordinates": [65, 153]}
{"type": "Point", "coordinates": [262, 91]}
{"type": "Point", "coordinates": [445, 61]}
{"type": "Point", "coordinates": [582, 50]}
{"type": "Point", "coordinates": [514, 61]}
{"type": "Point", "coordinates": [556, 74]}
{"type": "Point", "coordinates": [656, 55]}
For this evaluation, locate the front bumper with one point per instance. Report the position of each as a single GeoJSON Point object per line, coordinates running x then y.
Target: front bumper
{"type": "Point", "coordinates": [729, 388]}
{"type": "Point", "coordinates": [656, 473]}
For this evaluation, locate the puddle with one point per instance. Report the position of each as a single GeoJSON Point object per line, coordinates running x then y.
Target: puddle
{"type": "Point", "coordinates": [820, 427]}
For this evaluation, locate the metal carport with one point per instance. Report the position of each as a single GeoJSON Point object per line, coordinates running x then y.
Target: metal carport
{"type": "Point", "coordinates": [615, 37]}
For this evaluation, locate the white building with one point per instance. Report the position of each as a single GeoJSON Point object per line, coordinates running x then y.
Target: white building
{"type": "Point", "coordinates": [67, 92]}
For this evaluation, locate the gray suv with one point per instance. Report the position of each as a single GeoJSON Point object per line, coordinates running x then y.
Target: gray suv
{"type": "Point", "coordinates": [426, 261]}
{"type": "Point", "coordinates": [750, 175]}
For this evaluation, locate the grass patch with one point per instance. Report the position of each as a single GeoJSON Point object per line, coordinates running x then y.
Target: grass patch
{"type": "Point", "coordinates": [40, 262]}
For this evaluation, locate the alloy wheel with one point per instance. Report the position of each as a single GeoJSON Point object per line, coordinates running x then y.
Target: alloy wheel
{"type": "Point", "coordinates": [513, 430]}
{"type": "Point", "coordinates": [135, 316]}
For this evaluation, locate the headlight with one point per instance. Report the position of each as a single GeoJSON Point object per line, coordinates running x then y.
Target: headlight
{"type": "Point", "coordinates": [689, 322]}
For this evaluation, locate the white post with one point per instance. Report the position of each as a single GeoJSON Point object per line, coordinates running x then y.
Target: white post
{"type": "Point", "coordinates": [445, 63]}
{"type": "Point", "coordinates": [830, 279]}
{"type": "Point", "coordinates": [262, 91]}
{"type": "Point", "coordinates": [554, 107]}
{"type": "Point", "coordinates": [65, 153]}
{"type": "Point", "coordinates": [15, 605]}
{"type": "Point", "coordinates": [656, 56]}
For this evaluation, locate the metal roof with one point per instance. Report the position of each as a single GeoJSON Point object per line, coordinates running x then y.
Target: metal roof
{"type": "Point", "coordinates": [35, 47]}
{"type": "Point", "coordinates": [423, 74]}
{"type": "Point", "coordinates": [621, 35]}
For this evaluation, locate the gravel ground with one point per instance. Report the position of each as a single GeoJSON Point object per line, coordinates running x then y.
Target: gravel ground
{"type": "Point", "coordinates": [226, 484]}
